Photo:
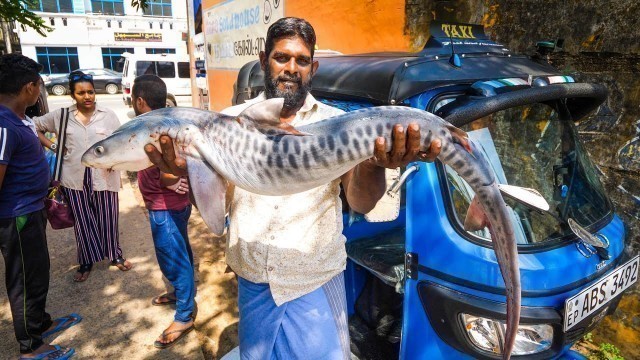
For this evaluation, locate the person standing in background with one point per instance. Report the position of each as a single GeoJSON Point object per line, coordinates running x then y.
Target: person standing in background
{"type": "Point", "coordinates": [167, 199]}
{"type": "Point", "coordinates": [92, 193]}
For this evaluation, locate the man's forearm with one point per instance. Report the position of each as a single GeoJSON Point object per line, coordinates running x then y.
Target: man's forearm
{"type": "Point", "coordinates": [365, 185]}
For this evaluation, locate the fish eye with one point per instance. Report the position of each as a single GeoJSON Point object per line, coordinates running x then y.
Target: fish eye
{"type": "Point", "coordinates": [99, 150]}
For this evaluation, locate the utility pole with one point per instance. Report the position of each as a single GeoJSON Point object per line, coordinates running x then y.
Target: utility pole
{"type": "Point", "coordinates": [6, 35]}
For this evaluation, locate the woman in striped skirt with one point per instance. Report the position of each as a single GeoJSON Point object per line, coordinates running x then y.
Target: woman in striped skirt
{"type": "Point", "coordinates": [92, 193]}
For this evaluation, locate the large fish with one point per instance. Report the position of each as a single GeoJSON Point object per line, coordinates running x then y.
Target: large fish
{"type": "Point", "coordinates": [258, 153]}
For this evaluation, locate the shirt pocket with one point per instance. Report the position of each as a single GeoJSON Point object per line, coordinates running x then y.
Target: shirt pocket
{"type": "Point", "coordinates": [102, 133]}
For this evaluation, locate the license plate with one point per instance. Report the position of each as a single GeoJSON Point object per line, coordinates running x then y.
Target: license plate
{"type": "Point", "coordinates": [589, 300]}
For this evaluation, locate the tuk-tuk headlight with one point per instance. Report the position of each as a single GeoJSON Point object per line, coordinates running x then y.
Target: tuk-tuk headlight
{"type": "Point", "coordinates": [488, 335]}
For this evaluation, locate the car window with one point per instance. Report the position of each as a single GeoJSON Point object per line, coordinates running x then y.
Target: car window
{"type": "Point", "coordinates": [183, 70]}
{"type": "Point", "coordinates": [166, 69]}
{"type": "Point", "coordinates": [145, 68]}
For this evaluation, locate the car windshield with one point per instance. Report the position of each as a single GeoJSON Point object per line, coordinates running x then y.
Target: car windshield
{"type": "Point", "coordinates": [531, 147]}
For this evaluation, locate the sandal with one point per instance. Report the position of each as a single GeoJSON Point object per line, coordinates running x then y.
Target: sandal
{"type": "Point", "coordinates": [64, 323]}
{"type": "Point", "coordinates": [59, 353]}
{"type": "Point", "coordinates": [182, 332]}
{"type": "Point", "coordinates": [170, 299]}
{"type": "Point", "coordinates": [84, 271]}
{"type": "Point", "coordinates": [121, 263]}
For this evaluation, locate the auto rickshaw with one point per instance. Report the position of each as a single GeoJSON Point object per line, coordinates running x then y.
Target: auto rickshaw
{"type": "Point", "coordinates": [421, 287]}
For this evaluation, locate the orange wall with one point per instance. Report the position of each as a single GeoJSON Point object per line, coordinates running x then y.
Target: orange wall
{"type": "Point", "coordinates": [351, 26]}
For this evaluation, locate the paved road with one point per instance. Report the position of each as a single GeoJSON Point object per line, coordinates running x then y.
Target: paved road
{"type": "Point", "coordinates": [113, 102]}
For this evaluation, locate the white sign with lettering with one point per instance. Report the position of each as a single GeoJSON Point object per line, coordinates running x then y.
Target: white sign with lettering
{"type": "Point", "coordinates": [235, 31]}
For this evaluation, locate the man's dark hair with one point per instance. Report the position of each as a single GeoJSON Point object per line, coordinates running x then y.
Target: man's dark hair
{"type": "Point", "coordinates": [152, 89]}
{"type": "Point", "coordinates": [290, 27]}
{"type": "Point", "coordinates": [17, 71]}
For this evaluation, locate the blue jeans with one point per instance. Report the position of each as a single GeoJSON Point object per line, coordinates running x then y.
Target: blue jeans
{"type": "Point", "coordinates": [171, 240]}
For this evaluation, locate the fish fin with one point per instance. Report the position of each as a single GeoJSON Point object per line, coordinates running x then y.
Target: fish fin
{"type": "Point", "coordinates": [209, 191]}
{"type": "Point", "coordinates": [265, 116]}
{"type": "Point", "coordinates": [460, 136]}
{"type": "Point", "coordinates": [264, 112]}
{"type": "Point", "coordinates": [476, 218]}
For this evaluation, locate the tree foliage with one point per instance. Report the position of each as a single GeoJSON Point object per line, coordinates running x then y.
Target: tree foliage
{"type": "Point", "coordinates": [16, 10]}
{"type": "Point", "coordinates": [140, 4]}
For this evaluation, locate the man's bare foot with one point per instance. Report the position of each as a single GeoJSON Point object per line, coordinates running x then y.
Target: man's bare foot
{"type": "Point", "coordinates": [173, 333]}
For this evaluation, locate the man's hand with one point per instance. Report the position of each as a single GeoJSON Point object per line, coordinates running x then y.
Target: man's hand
{"type": "Point", "coordinates": [166, 161]}
{"type": "Point", "coordinates": [405, 148]}
{"type": "Point", "coordinates": [180, 187]}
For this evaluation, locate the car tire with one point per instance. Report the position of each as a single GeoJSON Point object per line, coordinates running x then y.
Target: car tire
{"type": "Point", "coordinates": [58, 90]}
{"type": "Point", "coordinates": [170, 103]}
{"type": "Point", "coordinates": [111, 89]}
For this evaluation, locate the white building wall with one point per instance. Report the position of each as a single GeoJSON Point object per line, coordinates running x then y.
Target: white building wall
{"type": "Point", "coordinates": [89, 33]}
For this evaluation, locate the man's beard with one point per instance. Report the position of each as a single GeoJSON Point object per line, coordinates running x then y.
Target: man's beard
{"type": "Point", "coordinates": [292, 99]}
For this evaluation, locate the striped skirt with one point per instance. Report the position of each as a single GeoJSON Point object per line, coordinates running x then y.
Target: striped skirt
{"type": "Point", "coordinates": [96, 222]}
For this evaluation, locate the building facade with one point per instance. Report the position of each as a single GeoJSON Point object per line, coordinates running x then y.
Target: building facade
{"type": "Point", "coordinates": [94, 33]}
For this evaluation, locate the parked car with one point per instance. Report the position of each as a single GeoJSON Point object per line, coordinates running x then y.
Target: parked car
{"type": "Point", "coordinates": [104, 80]}
{"type": "Point", "coordinates": [173, 69]}
{"type": "Point", "coordinates": [421, 287]}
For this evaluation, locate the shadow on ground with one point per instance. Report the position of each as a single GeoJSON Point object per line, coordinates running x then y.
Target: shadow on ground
{"type": "Point", "coordinates": [119, 321]}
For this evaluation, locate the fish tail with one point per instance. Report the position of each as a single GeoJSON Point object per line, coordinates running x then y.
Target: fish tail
{"type": "Point", "coordinates": [488, 208]}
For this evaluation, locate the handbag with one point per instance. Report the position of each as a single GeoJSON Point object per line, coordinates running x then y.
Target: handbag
{"type": "Point", "coordinates": [56, 204]}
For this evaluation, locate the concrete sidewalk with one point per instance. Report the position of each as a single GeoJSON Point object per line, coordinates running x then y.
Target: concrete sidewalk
{"type": "Point", "coordinates": [119, 321]}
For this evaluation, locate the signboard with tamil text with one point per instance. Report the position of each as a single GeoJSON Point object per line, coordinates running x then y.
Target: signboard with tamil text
{"type": "Point", "coordinates": [235, 31]}
{"type": "Point", "coordinates": [138, 36]}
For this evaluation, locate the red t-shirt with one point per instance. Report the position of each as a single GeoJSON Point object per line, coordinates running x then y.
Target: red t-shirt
{"type": "Point", "coordinates": [156, 196]}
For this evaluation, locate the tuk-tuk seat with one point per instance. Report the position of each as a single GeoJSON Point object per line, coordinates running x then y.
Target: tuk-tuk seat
{"type": "Point", "coordinates": [382, 255]}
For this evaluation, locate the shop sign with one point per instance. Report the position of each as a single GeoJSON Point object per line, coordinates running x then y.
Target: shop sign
{"type": "Point", "coordinates": [138, 36]}
{"type": "Point", "coordinates": [235, 31]}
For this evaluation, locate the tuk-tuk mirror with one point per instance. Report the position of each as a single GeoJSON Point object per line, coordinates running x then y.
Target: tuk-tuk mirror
{"type": "Point", "coordinates": [527, 196]}
{"type": "Point", "coordinates": [388, 207]}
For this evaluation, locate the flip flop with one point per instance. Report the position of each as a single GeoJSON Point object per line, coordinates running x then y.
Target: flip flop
{"type": "Point", "coordinates": [156, 300]}
{"type": "Point", "coordinates": [64, 323]}
{"type": "Point", "coordinates": [58, 353]}
{"type": "Point", "coordinates": [82, 270]}
{"type": "Point", "coordinates": [183, 332]}
{"type": "Point", "coordinates": [121, 262]}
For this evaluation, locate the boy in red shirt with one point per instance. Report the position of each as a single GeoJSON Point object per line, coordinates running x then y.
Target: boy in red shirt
{"type": "Point", "coordinates": [167, 198]}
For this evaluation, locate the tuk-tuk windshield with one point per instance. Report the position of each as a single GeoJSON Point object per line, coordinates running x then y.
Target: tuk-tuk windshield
{"type": "Point", "coordinates": [532, 147]}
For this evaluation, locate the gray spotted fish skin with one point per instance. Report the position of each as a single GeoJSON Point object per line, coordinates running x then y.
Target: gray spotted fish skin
{"type": "Point", "coordinates": [277, 165]}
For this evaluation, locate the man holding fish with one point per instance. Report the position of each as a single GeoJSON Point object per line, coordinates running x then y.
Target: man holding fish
{"type": "Point", "coordinates": [288, 251]}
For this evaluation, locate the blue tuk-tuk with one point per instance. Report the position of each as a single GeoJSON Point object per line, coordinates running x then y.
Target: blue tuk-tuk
{"type": "Point", "coordinates": [421, 287]}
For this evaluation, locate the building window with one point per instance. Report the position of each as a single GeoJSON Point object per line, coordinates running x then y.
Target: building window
{"type": "Point", "coordinates": [57, 60]}
{"type": "Point", "coordinates": [109, 7]}
{"type": "Point", "coordinates": [158, 8]}
{"type": "Point", "coordinates": [53, 6]}
{"type": "Point", "coordinates": [160, 51]}
{"type": "Point", "coordinates": [112, 58]}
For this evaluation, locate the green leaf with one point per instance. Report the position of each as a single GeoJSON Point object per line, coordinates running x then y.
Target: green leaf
{"type": "Point", "coordinates": [17, 10]}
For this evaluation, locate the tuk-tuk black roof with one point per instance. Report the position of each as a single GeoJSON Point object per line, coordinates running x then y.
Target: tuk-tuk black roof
{"type": "Point", "coordinates": [392, 77]}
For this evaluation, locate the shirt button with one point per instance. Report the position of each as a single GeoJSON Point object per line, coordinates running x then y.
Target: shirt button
{"type": "Point", "coordinates": [270, 268]}
{"type": "Point", "coordinates": [272, 237]}
{"type": "Point", "coordinates": [276, 207]}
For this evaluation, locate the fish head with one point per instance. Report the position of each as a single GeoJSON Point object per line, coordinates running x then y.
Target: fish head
{"type": "Point", "coordinates": [122, 150]}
